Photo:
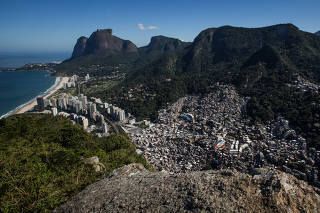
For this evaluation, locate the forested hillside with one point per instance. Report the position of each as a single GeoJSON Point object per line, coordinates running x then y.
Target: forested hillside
{"type": "Point", "coordinates": [41, 161]}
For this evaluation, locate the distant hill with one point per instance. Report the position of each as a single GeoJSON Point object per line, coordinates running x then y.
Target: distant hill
{"type": "Point", "coordinates": [318, 33]}
{"type": "Point", "coordinates": [104, 49]}
{"type": "Point", "coordinates": [160, 45]}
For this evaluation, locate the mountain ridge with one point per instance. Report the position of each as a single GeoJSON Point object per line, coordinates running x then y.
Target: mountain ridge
{"type": "Point", "coordinates": [105, 49]}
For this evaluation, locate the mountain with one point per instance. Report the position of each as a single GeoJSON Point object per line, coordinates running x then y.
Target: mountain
{"type": "Point", "coordinates": [79, 48]}
{"type": "Point", "coordinates": [318, 33]}
{"type": "Point", "coordinates": [260, 62]}
{"type": "Point", "coordinates": [164, 44]}
{"type": "Point", "coordinates": [42, 161]}
{"type": "Point", "coordinates": [111, 52]}
{"type": "Point", "coordinates": [160, 45]}
{"type": "Point", "coordinates": [217, 50]}
{"type": "Point", "coordinates": [225, 46]}
{"type": "Point", "coordinates": [222, 54]}
{"type": "Point", "coordinates": [204, 191]}
{"type": "Point", "coordinates": [102, 43]}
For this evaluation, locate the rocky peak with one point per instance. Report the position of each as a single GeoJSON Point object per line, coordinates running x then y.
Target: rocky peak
{"type": "Point", "coordinates": [109, 31]}
{"type": "Point", "coordinates": [102, 43]}
{"type": "Point", "coordinates": [164, 44]}
{"type": "Point", "coordinates": [133, 188]}
{"type": "Point", "coordinates": [80, 46]}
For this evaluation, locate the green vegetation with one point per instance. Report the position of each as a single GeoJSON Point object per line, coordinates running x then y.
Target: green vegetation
{"type": "Point", "coordinates": [98, 86]}
{"type": "Point", "coordinates": [40, 161]}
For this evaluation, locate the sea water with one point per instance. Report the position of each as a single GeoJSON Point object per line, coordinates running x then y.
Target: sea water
{"type": "Point", "coordinates": [18, 88]}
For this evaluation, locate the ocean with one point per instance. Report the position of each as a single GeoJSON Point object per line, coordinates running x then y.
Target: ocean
{"type": "Point", "coordinates": [18, 88]}
{"type": "Point", "coordinates": [14, 60]}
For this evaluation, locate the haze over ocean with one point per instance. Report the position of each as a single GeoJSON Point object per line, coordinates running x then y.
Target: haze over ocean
{"type": "Point", "coordinates": [14, 60]}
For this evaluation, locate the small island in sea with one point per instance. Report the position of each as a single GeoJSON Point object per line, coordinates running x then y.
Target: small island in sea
{"type": "Point", "coordinates": [34, 67]}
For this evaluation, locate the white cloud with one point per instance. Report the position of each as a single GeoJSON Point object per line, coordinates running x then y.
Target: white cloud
{"type": "Point", "coordinates": [141, 27]}
{"type": "Point", "coordinates": [153, 28]}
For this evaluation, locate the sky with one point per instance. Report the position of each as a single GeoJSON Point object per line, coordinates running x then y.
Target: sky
{"type": "Point", "coordinates": [47, 26]}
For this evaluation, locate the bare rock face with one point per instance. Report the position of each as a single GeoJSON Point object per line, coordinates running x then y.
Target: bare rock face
{"type": "Point", "coordinates": [80, 46]}
{"type": "Point", "coordinates": [102, 43]}
{"type": "Point", "coordinates": [163, 44]}
{"type": "Point", "coordinates": [134, 189]}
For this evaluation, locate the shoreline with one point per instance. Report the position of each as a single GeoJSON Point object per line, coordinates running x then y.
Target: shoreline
{"type": "Point", "coordinates": [33, 102]}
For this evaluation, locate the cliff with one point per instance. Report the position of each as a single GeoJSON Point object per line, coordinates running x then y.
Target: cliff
{"type": "Point", "coordinates": [102, 43]}
{"type": "Point", "coordinates": [80, 46]}
{"type": "Point", "coordinates": [134, 189]}
{"type": "Point", "coordinates": [160, 45]}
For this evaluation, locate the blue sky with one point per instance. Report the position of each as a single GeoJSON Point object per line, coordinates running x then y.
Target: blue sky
{"type": "Point", "coordinates": [53, 26]}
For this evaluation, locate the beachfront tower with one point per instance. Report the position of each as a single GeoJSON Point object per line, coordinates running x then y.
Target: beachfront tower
{"type": "Point", "coordinates": [40, 102]}
{"type": "Point", "coordinates": [54, 111]}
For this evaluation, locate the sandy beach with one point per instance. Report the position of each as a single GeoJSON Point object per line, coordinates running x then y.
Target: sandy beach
{"type": "Point", "coordinates": [33, 103]}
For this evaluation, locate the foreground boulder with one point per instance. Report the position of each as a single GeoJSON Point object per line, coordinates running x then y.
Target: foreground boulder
{"type": "Point", "coordinates": [134, 189]}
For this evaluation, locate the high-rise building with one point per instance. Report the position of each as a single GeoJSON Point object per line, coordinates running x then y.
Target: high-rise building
{"type": "Point", "coordinates": [47, 102]}
{"type": "Point", "coordinates": [100, 119]}
{"type": "Point", "coordinates": [87, 77]}
{"type": "Point", "coordinates": [122, 115]}
{"type": "Point", "coordinates": [62, 103]}
{"type": "Point", "coordinates": [105, 128]}
{"type": "Point", "coordinates": [79, 89]}
{"type": "Point", "coordinates": [92, 110]}
{"type": "Point", "coordinates": [84, 100]}
{"type": "Point", "coordinates": [54, 111]}
{"type": "Point", "coordinates": [74, 78]}
{"type": "Point", "coordinates": [40, 102]}
{"type": "Point", "coordinates": [53, 102]}
{"type": "Point", "coordinates": [70, 101]}
{"type": "Point", "coordinates": [83, 121]}
{"type": "Point", "coordinates": [78, 107]}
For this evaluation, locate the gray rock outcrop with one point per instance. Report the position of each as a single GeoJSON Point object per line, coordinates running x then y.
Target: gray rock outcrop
{"type": "Point", "coordinates": [80, 46]}
{"type": "Point", "coordinates": [134, 189]}
{"type": "Point", "coordinates": [102, 43]}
